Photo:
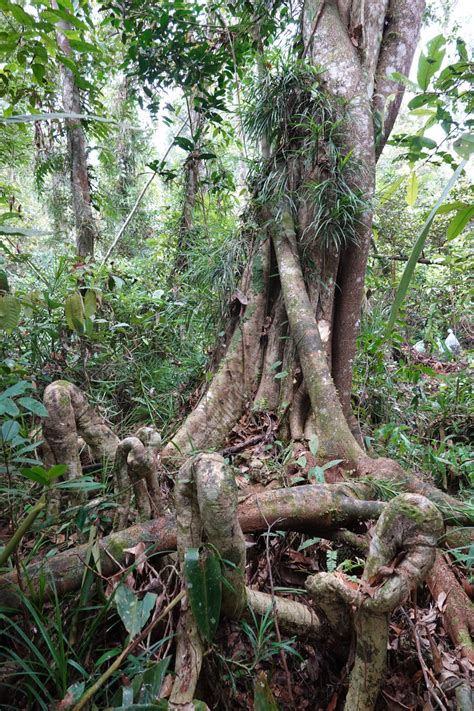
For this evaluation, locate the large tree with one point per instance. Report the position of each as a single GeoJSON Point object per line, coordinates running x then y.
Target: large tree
{"type": "Point", "coordinates": [315, 225]}
{"type": "Point", "coordinates": [321, 122]}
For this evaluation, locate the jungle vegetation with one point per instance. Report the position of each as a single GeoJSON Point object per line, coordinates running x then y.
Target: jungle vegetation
{"type": "Point", "coordinates": [236, 355]}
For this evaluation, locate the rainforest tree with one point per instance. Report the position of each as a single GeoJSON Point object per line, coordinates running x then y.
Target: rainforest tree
{"type": "Point", "coordinates": [318, 114]}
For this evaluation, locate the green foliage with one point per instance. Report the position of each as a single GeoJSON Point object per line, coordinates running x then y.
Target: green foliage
{"type": "Point", "coordinates": [133, 612]}
{"type": "Point", "coordinates": [290, 110]}
{"type": "Point", "coordinates": [261, 636]}
{"type": "Point", "coordinates": [202, 571]}
{"type": "Point", "coordinates": [417, 250]}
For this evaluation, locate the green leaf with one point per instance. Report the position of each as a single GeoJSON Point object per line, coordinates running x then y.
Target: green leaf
{"type": "Point", "coordinates": [430, 62]}
{"type": "Point", "coordinates": [153, 681]}
{"type": "Point", "coordinates": [74, 312]}
{"type": "Point", "coordinates": [417, 249]}
{"type": "Point", "coordinates": [57, 15]}
{"type": "Point", "coordinates": [464, 145]}
{"type": "Point", "coordinates": [386, 193]}
{"type": "Point", "coordinates": [313, 444]}
{"type": "Point", "coordinates": [450, 207]}
{"type": "Point", "coordinates": [318, 474]}
{"type": "Point", "coordinates": [184, 143]}
{"type": "Point", "coordinates": [39, 71]}
{"type": "Point", "coordinates": [55, 471]}
{"type": "Point", "coordinates": [10, 309]}
{"type": "Point", "coordinates": [17, 389]}
{"type": "Point", "coordinates": [8, 407]}
{"type": "Point", "coordinates": [459, 221]}
{"type": "Point", "coordinates": [263, 699]}
{"type": "Point", "coordinates": [307, 544]}
{"type": "Point", "coordinates": [4, 281]}
{"type": "Point", "coordinates": [422, 99]}
{"type": "Point", "coordinates": [90, 303]}
{"type": "Point", "coordinates": [133, 612]}
{"type": "Point", "coordinates": [301, 461]}
{"type": "Point", "coordinates": [202, 572]}
{"type": "Point", "coordinates": [36, 474]}
{"type": "Point", "coordinates": [412, 189]}
{"type": "Point", "coordinates": [20, 15]}
{"type": "Point", "coordinates": [32, 405]}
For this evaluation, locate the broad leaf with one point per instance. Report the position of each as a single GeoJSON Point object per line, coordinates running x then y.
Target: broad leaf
{"type": "Point", "coordinates": [8, 407]}
{"type": "Point", "coordinates": [430, 62]}
{"type": "Point", "coordinates": [37, 408]}
{"type": "Point", "coordinates": [464, 145]}
{"type": "Point", "coordinates": [203, 576]}
{"type": "Point", "coordinates": [153, 681]}
{"type": "Point", "coordinates": [74, 312]}
{"type": "Point", "coordinates": [90, 302]}
{"type": "Point", "coordinates": [133, 612]}
{"type": "Point", "coordinates": [10, 430]}
{"type": "Point", "coordinates": [313, 444]}
{"type": "Point", "coordinates": [463, 216]}
{"type": "Point", "coordinates": [10, 309]}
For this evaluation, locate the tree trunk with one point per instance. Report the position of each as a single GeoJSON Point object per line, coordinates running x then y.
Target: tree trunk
{"type": "Point", "coordinates": [303, 287]}
{"type": "Point", "coordinates": [86, 231]}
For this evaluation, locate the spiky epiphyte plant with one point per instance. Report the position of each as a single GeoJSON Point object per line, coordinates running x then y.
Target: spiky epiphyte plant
{"type": "Point", "coordinates": [292, 113]}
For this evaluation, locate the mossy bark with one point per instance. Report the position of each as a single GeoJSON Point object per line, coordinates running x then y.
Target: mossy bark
{"type": "Point", "coordinates": [401, 553]}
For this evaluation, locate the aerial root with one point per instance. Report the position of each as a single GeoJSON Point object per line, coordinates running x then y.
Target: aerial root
{"type": "Point", "coordinates": [401, 554]}
{"type": "Point", "coordinates": [70, 417]}
{"type": "Point", "coordinates": [136, 465]}
{"type": "Point", "coordinates": [73, 423]}
{"type": "Point", "coordinates": [206, 499]}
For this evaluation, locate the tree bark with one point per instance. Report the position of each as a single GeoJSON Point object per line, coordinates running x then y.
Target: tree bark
{"type": "Point", "coordinates": [86, 231]}
{"type": "Point", "coordinates": [352, 45]}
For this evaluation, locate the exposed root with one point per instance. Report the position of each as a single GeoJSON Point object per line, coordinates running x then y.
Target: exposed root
{"type": "Point", "coordinates": [458, 611]}
{"type": "Point", "coordinates": [293, 617]}
{"type": "Point", "coordinates": [313, 509]}
{"type": "Point", "coordinates": [69, 417]}
{"type": "Point", "coordinates": [189, 648]}
{"type": "Point", "coordinates": [401, 553]}
{"type": "Point", "coordinates": [136, 464]}
{"type": "Point", "coordinates": [234, 383]}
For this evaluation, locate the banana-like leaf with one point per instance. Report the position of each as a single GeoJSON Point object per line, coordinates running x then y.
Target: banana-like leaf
{"type": "Point", "coordinates": [74, 312]}
{"type": "Point", "coordinates": [90, 302]}
{"type": "Point", "coordinates": [202, 571]}
{"type": "Point", "coordinates": [463, 216]}
{"type": "Point", "coordinates": [417, 249]}
{"type": "Point", "coordinates": [10, 309]}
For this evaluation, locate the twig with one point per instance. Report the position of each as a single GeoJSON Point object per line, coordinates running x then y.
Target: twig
{"type": "Point", "coordinates": [424, 669]}
{"type": "Point", "coordinates": [86, 697]}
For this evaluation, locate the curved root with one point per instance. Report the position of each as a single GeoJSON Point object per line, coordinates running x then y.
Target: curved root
{"type": "Point", "coordinates": [401, 553]}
